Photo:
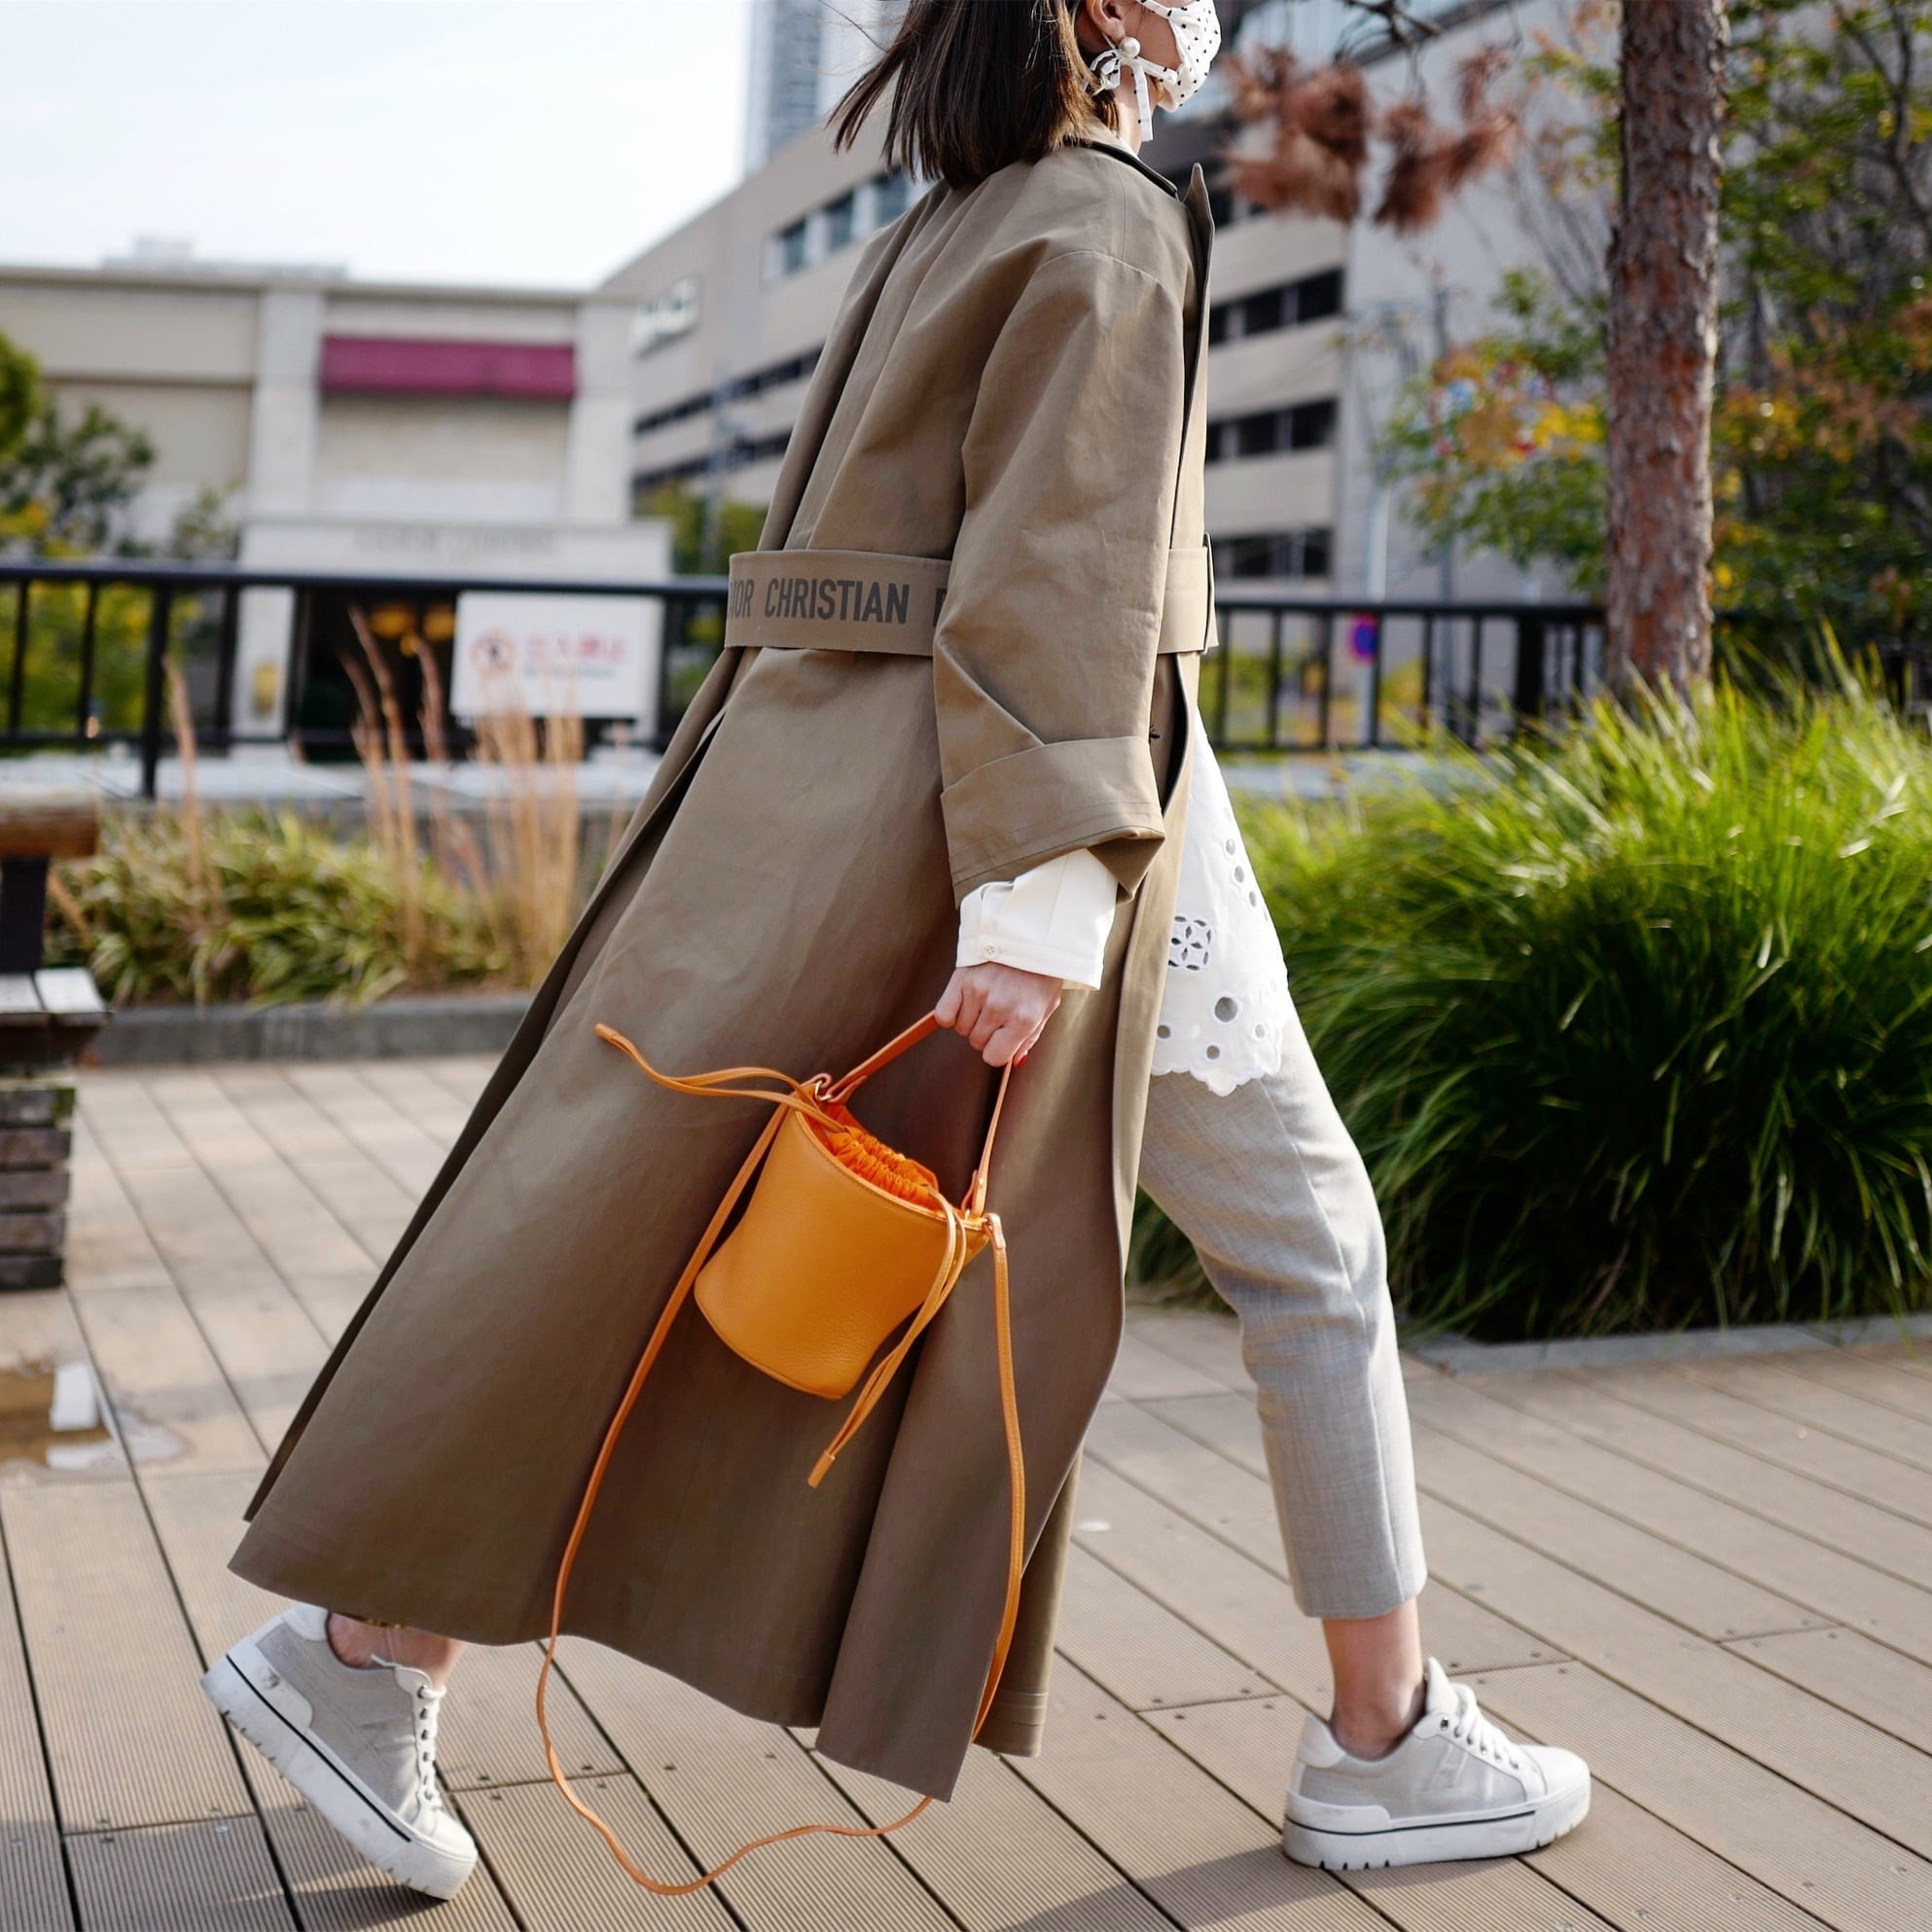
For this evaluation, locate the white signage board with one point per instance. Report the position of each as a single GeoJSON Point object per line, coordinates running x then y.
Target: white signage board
{"type": "Point", "coordinates": [555, 656]}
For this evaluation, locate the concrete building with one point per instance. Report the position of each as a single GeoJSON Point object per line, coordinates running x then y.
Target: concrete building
{"type": "Point", "coordinates": [805, 54]}
{"type": "Point", "coordinates": [1297, 389]}
{"type": "Point", "coordinates": [379, 429]}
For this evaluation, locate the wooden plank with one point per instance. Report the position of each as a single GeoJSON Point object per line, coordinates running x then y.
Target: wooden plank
{"type": "Point", "coordinates": [465, 1075]}
{"type": "Point", "coordinates": [267, 1344]}
{"type": "Point", "coordinates": [720, 1779]}
{"type": "Point", "coordinates": [19, 1002]}
{"type": "Point", "coordinates": [369, 1122]}
{"type": "Point", "coordinates": [107, 1246]}
{"type": "Point", "coordinates": [1228, 1424]}
{"type": "Point", "coordinates": [174, 1408]}
{"type": "Point", "coordinates": [1202, 1855]}
{"type": "Point", "coordinates": [125, 1124]}
{"type": "Point", "coordinates": [1627, 1867]}
{"type": "Point", "coordinates": [290, 1223]}
{"type": "Point", "coordinates": [563, 1878]}
{"type": "Point", "coordinates": [1821, 1406]}
{"type": "Point", "coordinates": [1238, 1507]}
{"type": "Point", "coordinates": [1778, 1440]}
{"type": "Point", "coordinates": [210, 1877]}
{"type": "Point", "coordinates": [105, 1638]}
{"type": "Point", "coordinates": [35, 1147]}
{"type": "Point", "coordinates": [1837, 1756]}
{"type": "Point", "coordinates": [33, 1885]}
{"type": "Point", "coordinates": [1599, 1411]}
{"type": "Point", "coordinates": [999, 1858]}
{"type": "Point", "coordinates": [1837, 1587]}
{"type": "Point", "coordinates": [362, 1195]}
{"type": "Point", "coordinates": [1245, 1608]}
{"type": "Point", "coordinates": [69, 992]}
{"type": "Point", "coordinates": [1870, 1377]}
{"type": "Point", "coordinates": [1204, 1339]}
{"type": "Point", "coordinates": [1714, 1602]}
{"type": "Point", "coordinates": [1854, 1673]}
{"type": "Point", "coordinates": [409, 1088]}
{"type": "Point", "coordinates": [488, 1735]}
{"type": "Point", "coordinates": [1141, 1652]}
{"type": "Point", "coordinates": [1812, 1854]}
{"type": "Point", "coordinates": [1143, 1372]}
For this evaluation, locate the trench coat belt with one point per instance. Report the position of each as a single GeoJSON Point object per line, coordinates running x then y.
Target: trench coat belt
{"type": "Point", "coordinates": [870, 600]}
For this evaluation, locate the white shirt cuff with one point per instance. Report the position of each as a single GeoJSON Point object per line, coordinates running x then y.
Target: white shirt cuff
{"type": "Point", "coordinates": [1054, 919]}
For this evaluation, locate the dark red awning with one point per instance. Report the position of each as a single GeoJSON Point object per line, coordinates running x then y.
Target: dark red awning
{"type": "Point", "coordinates": [412, 366]}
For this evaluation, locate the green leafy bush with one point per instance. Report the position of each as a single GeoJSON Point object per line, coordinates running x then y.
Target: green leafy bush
{"type": "Point", "coordinates": [1634, 1028]}
{"type": "Point", "coordinates": [250, 906]}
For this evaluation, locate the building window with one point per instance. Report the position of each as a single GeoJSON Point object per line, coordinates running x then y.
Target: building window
{"type": "Point", "coordinates": [791, 248]}
{"type": "Point", "coordinates": [891, 197]}
{"type": "Point", "coordinates": [841, 223]}
{"type": "Point", "coordinates": [1267, 431]}
{"type": "Point", "coordinates": [1312, 298]}
{"type": "Point", "coordinates": [774, 375]}
{"type": "Point", "coordinates": [1273, 554]}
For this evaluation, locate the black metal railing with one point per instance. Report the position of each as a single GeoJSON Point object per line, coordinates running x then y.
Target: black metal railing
{"type": "Point", "coordinates": [90, 644]}
{"type": "Point", "coordinates": [1309, 674]}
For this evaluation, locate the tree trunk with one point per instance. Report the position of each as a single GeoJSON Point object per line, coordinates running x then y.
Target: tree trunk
{"type": "Point", "coordinates": [1662, 341]}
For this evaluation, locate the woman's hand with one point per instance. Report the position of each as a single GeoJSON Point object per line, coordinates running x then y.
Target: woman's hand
{"type": "Point", "coordinates": [1003, 1009]}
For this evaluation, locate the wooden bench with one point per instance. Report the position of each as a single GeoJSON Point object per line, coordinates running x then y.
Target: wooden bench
{"type": "Point", "coordinates": [48, 1017]}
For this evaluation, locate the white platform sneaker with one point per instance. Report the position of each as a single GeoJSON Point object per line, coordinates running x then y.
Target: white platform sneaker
{"type": "Point", "coordinates": [359, 1744]}
{"type": "Point", "coordinates": [1456, 1787]}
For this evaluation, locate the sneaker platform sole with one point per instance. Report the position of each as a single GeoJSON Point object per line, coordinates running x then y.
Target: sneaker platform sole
{"type": "Point", "coordinates": [337, 1795]}
{"type": "Point", "coordinates": [1501, 1834]}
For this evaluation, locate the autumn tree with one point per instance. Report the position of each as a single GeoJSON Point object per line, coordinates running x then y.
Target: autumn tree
{"type": "Point", "coordinates": [1324, 133]}
{"type": "Point", "coordinates": [1663, 343]}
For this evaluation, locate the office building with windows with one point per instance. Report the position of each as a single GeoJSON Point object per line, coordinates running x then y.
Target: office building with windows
{"type": "Point", "coordinates": [737, 303]}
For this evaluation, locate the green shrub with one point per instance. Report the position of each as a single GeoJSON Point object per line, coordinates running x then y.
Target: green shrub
{"type": "Point", "coordinates": [250, 906]}
{"type": "Point", "coordinates": [1634, 1028]}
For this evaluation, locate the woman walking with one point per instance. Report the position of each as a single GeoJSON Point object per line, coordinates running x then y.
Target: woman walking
{"type": "Point", "coordinates": [946, 756]}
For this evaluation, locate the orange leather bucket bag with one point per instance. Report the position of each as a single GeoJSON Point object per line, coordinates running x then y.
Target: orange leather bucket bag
{"type": "Point", "coordinates": [842, 1241]}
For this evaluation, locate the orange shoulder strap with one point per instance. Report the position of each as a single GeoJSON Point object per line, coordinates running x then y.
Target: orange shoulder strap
{"type": "Point", "coordinates": [808, 1097]}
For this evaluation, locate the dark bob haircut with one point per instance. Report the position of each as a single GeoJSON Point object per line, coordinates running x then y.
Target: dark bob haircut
{"type": "Point", "coordinates": [976, 86]}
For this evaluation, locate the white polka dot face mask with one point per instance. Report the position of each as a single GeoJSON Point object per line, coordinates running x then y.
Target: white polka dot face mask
{"type": "Point", "coordinates": [1197, 34]}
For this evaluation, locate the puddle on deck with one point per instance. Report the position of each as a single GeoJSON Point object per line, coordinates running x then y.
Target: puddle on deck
{"type": "Point", "coordinates": [50, 1416]}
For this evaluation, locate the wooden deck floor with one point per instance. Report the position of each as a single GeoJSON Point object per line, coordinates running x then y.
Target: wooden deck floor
{"type": "Point", "coordinates": [1714, 1579]}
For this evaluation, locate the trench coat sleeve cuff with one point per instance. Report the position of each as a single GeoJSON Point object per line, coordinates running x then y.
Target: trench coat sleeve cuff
{"type": "Point", "coordinates": [1006, 816]}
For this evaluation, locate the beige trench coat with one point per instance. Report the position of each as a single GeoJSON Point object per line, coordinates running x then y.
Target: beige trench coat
{"type": "Point", "coordinates": [1008, 385]}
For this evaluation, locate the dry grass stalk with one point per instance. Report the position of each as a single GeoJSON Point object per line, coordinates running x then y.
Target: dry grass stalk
{"type": "Point", "coordinates": [535, 829]}
{"type": "Point", "coordinates": [458, 856]}
{"type": "Point", "coordinates": [384, 748]}
{"type": "Point", "coordinates": [181, 713]}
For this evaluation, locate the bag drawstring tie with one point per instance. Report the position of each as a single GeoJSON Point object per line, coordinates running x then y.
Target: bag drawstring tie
{"type": "Point", "coordinates": [814, 1098]}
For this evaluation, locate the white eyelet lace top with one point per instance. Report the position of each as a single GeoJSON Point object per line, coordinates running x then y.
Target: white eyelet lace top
{"type": "Point", "coordinates": [1224, 1014]}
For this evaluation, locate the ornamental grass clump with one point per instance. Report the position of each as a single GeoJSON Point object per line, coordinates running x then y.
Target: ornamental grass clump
{"type": "Point", "coordinates": [1634, 1027]}
{"type": "Point", "coordinates": [178, 905]}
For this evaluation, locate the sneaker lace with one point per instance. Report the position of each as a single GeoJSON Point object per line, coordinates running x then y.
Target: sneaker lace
{"type": "Point", "coordinates": [1471, 1728]}
{"type": "Point", "coordinates": [428, 1711]}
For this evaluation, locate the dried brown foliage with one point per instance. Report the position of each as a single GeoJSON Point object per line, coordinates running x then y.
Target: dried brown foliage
{"type": "Point", "coordinates": [1321, 123]}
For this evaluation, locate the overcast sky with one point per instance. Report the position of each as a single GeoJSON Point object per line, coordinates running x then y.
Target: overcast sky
{"type": "Point", "coordinates": [519, 141]}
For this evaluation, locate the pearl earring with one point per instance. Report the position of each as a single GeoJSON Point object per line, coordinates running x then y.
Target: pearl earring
{"type": "Point", "coordinates": [1130, 49]}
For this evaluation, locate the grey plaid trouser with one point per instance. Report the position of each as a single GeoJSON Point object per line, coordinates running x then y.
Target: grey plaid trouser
{"type": "Point", "coordinates": [1268, 1186]}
